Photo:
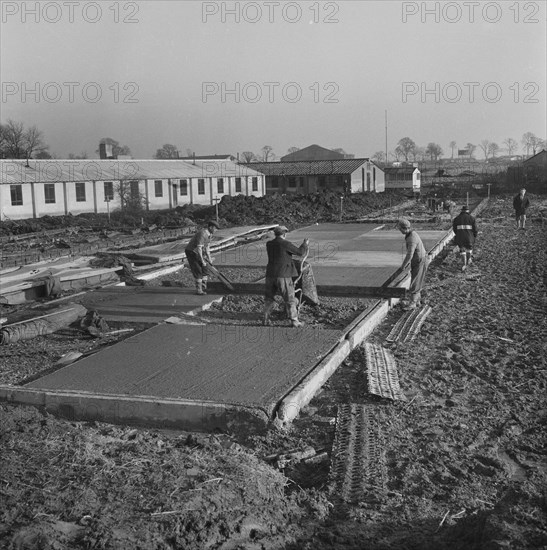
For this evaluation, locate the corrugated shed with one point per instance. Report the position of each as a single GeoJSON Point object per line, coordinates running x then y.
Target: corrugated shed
{"type": "Point", "coordinates": [308, 168]}
{"type": "Point", "coordinates": [51, 171]}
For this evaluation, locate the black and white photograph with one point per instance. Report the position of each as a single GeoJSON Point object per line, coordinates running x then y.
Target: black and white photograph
{"type": "Point", "coordinates": [273, 275]}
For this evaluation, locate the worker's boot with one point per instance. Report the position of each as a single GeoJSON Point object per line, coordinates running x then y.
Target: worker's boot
{"type": "Point", "coordinates": [469, 257]}
{"type": "Point", "coordinates": [204, 284]}
{"type": "Point", "coordinates": [267, 311]}
{"type": "Point", "coordinates": [464, 258]}
{"type": "Point", "coordinates": [296, 323]}
{"type": "Point", "coordinates": [199, 287]}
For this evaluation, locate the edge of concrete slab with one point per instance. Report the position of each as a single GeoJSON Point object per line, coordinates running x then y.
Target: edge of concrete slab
{"type": "Point", "coordinates": [182, 414]}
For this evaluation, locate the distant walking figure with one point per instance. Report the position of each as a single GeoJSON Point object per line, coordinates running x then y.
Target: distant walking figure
{"type": "Point", "coordinates": [520, 204]}
{"type": "Point", "coordinates": [465, 232]}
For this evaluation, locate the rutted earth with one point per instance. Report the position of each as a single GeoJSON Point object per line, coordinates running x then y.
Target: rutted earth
{"type": "Point", "coordinates": [464, 457]}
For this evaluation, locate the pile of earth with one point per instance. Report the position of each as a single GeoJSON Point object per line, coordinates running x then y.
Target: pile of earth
{"type": "Point", "coordinates": [239, 210]}
{"type": "Point", "coordinates": [294, 210]}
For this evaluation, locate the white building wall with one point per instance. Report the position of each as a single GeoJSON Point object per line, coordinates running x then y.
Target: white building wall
{"type": "Point", "coordinates": [10, 212]}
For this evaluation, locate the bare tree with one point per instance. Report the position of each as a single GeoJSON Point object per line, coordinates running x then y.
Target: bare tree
{"type": "Point", "coordinates": [248, 156]}
{"type": "Point", "coordinates": [267, 153]}
{"type": "Point", "coordinates": [528, 140]}
{"type": "Point", "coordinates": [168, 151]}
{"type": "Point", "coordinates": [78, 156]}
{"type": "Point", "coordinates": [484, 145]}
{"type": "Point", "coordinates": [493, 148]}
{"type": "Point", "coordinates": [452, 146]}
{"type": "Point", "coordinates": [471, 149]}
{"type": "Point", "coordinates": [33, 141]}
{"type": "Point", "coordinates": [379, 156]}
{"type": "Point", "coordinates": [510, 145]}
{"type": "Point", "coordinates": [434, 150]}
{"type": "Point", "coordinates": [14, 139]}
{"type": "Point", "coordinates": [292, 150]}
{"type": "Point", "coordinates": [406, 146]}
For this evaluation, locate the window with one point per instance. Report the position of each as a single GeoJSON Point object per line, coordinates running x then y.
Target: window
{"type": "Point", "coordinates": [80, 191]}
{"type": "Point", "coordinates": [220, 185]}
{"type": "Point", "coordinates": [49, 193]}
{"type": "Point", "coordinates": [184, 187]}
{"type": "Point", "coordinates": [16, 195]}
{"type": "Point", "coordinates": [134, 186]}
{"type": "Point", "coordinates": [301, 183]}
{"type": "Point", "coordinates": [158, 188]}
{"type": "Point", "coordinates": [238, 185]}
{"type": "Point", "coordinates": [322, 182]}
{"type": "Point", "coordinates": [292, 182]}
{"type": "Point", "coordinates": [255, 184]}
{"type": "Point", "coordinates": [201, 187]}
{"type": "Point", "coordinates": [274, 183]}
{"type": "Point", "coordinates": [108, 191]}
{"type": "Point", "coordinates": [374, 175]}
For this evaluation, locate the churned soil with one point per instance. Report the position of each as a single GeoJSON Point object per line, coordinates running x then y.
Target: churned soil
{"type": "Point", "coordinates": [464, 455]}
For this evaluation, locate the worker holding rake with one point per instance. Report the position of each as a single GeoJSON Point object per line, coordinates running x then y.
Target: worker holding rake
{"type": "Point", "coordinates": [416, 258]}
{"type": "Point", "coordinates": [280, 272]}
{"type": "Point", "coordinates": [197, 253]}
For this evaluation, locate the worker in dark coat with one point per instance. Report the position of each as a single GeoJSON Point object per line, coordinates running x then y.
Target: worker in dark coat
{"type": "Point", "coordinates": [465, 233]}
{"type": "Point", "coordinates": [280, 272]}
{"type": "Point", "coordinates": [197, 253]}
{"type": "Point", "coordinates": [416, 258]}
{"type": "Point", "coordinates": [520, 204]}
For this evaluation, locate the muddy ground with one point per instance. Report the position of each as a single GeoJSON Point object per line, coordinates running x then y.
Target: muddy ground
{"type": "Point", "coordinates": [464, 456]}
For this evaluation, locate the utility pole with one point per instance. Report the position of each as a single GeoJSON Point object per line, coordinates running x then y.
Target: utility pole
{"type": "Point", "coordinates": [216, 199]}
{"type": "Point", "coordinates": [386, 135]}
{"type": "Point", "coordinates": [341, 206]}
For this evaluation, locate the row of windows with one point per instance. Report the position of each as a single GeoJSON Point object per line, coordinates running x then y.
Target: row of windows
{"type": "Point", "coordinates": [49, 190]}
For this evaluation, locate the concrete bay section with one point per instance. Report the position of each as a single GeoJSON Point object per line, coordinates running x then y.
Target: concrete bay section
{"type": "Point", "coordinates": [200, 376]}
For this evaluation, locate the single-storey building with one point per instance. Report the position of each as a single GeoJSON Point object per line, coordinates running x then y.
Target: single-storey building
{"type": "Point", "coordinates": [57, 187]}
{"type": "Point", "coordinates": [403, 177]}
{"type": "Point", "coordinates": [314, 152]}
{"type": "Point", "coordinates": [342, 175]}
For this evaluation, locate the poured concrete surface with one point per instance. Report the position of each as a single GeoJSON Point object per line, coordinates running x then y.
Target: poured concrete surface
{"type": "Point", "coordinates": [337, 248]}
{"type": "Point", "coordinates": [231, 365]}
{"type": "Point", "coordinates": [145, 304]}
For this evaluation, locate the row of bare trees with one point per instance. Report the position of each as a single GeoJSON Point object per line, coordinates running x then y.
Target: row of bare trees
{"type": "Point", "coordinates": [407, 149]}
{"type": "Point", "coordinates": [18, 142]}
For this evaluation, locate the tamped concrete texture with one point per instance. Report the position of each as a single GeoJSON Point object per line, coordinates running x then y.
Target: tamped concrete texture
{"type": "Point", "coordinates": [239, 365]}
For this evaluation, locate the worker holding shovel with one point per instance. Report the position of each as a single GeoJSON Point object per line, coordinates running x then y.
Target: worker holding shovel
{"type": "Point", "coordinates": [197, 253]}
{"type": "Point", "coordinates": [280, 272]}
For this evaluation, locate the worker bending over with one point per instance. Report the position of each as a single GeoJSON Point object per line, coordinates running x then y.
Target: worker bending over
{"type": "Point", "coordinates": [465, 233]}
{"type": "Point", "coordinates": [197, 253]}
{"type": "Point", "coordinates": [416, 258]}
{"type": "Point", "coordinates": [279, 273]}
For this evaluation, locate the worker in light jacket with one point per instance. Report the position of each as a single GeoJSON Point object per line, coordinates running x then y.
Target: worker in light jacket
{"type": "Point", "coordinates": [197, 253]}
{"type": "Point", "coordinates": [416, 259]}
{"type": "Point", "coordinates": [280, 272]}
{"type": "Point", "coordinates": [465, 233]}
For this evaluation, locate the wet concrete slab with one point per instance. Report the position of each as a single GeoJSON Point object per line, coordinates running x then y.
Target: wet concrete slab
{"type": "Point", "coordinates": [336, 248]}
{"type": "Point", "coordinates": [250, 366]}
{"type": "Point", "coordinates": [145, 304]}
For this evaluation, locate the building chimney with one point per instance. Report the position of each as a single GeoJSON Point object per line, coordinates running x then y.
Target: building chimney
{"type": "Point", "coordinates": [105, 151]}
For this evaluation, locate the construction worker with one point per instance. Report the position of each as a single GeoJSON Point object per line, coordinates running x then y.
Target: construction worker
{"type": "Point", "coordinates": [197, 253]}
{"type": "Point", "coordinates": [520, 204]}
{"type": "Point", "coordinates": [280, 272]}
{"type": "Point", "coordinates": [465, 233]}
{"type": "Point", "coordinates": [416, 258]}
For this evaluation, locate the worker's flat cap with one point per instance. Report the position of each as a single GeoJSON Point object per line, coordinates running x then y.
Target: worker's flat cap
{"type": "Point", "coordinates": [214, 223]}
{"type": "Point", "coordinates": [403, 223]}
{"type": "Point", "coordinates": [280, 230]}
{"type": "Point", "coordinates": [464, 207]}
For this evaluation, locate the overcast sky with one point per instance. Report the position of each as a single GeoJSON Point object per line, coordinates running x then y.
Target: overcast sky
{"type": "Point", "coordinates": [286, 74]}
